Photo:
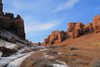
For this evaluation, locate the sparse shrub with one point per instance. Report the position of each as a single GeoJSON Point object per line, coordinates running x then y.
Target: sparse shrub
{"type": "Point", "coordinates": [45, 65]}
{"type": "Point", "coordinates": [66, 59]}
{"type": "Point", "coordinates": [96, 63]}
{"type": "Point", "coordinates": [50, 52]}
{"type": "Point", "coordinates": [74, 48]}
{"type": "Point", "coordinates": [83, 62]}
{"type": "Point", "coordinates": [74, 54]}
{"type": "Point", "coordinates": [79, 63]}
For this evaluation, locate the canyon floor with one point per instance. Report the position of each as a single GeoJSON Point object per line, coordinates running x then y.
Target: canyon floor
{"type": "Point", "coordinates": [79, 52]}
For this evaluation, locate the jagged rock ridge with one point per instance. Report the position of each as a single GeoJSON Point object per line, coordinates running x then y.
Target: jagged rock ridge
{"type": "Point", "coordinates": [11, 24]}
{"type": "Point", "coordinates": [74, 30]}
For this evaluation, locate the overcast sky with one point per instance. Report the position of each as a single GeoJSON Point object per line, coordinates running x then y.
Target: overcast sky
{"type": "Point", "coordinates": [41, 17]}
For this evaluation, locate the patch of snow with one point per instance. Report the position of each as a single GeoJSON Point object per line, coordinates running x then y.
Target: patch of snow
{"type": "Point", "coordinates": [0, 54]}
{"type": "Point", "coordinates": [18, 62]}
{"type": "Point", "coordinates": [7, 44]}
{"type": "Point", "coordinates": [6, 60]}
{"type": "Point", "coordinates": [47, 56]}
{"type": "Point", "coordinates": [20, 44]}
{"type": "Point", "coordinates": [43, 49]}
{"type": "Point", "coordinates": [63, 64]}
{"type": "Point", "coordinates": [8, 35]}
{"type": "Point", "coordinates": [59, 53]}
{"type": "Point", "coordinates": [40, 46]}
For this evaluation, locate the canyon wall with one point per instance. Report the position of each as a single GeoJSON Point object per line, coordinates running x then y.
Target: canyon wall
{"type": "Point", "coordinates": [11, 24]}
{"type": "Point", "coordinates": [74, 30]}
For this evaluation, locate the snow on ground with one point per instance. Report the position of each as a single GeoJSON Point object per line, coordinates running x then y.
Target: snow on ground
{"type": "Point", "coordinates": [0, 53]}
{"type": "Point", "coordinates": [8, 35]}
{"type": "Point", "coordinates": [47, 56]}
{"type": "Point", "coordinates": [18, 62]}
{"type": "Point", "coordinates": [7, 60]}
{"type": "Point", "coordinates": [59, 53]}
{"type": "Point", "coordinates": [7, 44]}
{"type": "Point", "coordinates": [43, 49]}
{"type": "Point", "coordinates": [16, 58]}
{"type": "Point", "coordinates": [63, 64]}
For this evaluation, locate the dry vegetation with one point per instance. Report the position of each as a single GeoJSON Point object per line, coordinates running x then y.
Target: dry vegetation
{"type": "Point", "coordinates": [81, 53]}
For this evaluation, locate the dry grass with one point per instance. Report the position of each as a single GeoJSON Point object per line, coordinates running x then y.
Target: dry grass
{"type": "Point", "coordinates": [38, 60]}
{"type": "Point", "coordinates": [51, 52]}
{"type": "Point", "coordinates": [76, 58]}
{"type": "Point", "coordinates": [95, 63]}
{"type": "Point", "coordinates": [27, 50]}
{"type": "Point", "coordinates": [88, 50]}
{"type": "Point", "coordinates": [78, 63]}
{"type": "Point", "coordinates": [97, 44]}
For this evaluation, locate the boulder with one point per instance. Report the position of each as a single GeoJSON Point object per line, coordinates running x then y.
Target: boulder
{"type": "Point", "coordinates": [7, 52]}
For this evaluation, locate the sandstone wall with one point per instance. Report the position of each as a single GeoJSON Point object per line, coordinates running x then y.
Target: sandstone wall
{"type": "Point", "coordinates": [55, 35]}
{"type": "Point", "coordinates": [14, 25]}
{"type": "Point", "coordinates": [96, 23]}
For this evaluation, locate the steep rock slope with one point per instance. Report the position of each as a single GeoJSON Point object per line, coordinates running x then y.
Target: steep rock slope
{"type": "Point", "coordinates": [74, 31]}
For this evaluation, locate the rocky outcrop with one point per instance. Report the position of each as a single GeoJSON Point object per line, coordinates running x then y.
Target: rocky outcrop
{"type": "Point", "coordinates": [74, 30]}
{"type": "Point", "coordinates": [14, 25]}
{"type": "Point", "coordinates": [62, 35]}
{"type": "Point", "coordinates": [88, 27]}
{"type": "Point", "coordinates": [96, 23]}
{"type": "Point", "coordinates": [71, 26]}
{"type": "Point", "coordinates": [11, 24]}
{"type": "Point", "coordinates": [6, 51]}
{"type": "Point", "coordinates": [79, 29]}
{"type": "Point", "coordinates": [55, 35]}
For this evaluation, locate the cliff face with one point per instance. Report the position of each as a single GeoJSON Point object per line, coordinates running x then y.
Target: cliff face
{"type": "Point", "coordinates": [55, 37]}
{"type": "Point", "coordinates": [96, 22]}
{"type": "Point", "coordinates": [74, 30]}
{"type": "Point", "coordinates": [11, 24]}
{"type": "Point", "coordinates": [14, 25]}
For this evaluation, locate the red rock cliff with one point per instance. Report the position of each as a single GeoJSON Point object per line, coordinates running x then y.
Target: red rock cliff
{"type": "Point", "coordinates": [74, 30]}
{"type": "Point", "coordinates": [9, 23]}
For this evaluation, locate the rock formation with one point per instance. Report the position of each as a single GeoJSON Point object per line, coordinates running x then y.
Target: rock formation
{"type": "Point", "coordinates": [61, 36]}
{"type": "Point", "coordinates": [55, 35]}
{"type": "Point", "coordinates": [79, 29]}
{"type": "Point", "coordinates": [74, 30]}
{"type": "Point", "coordinates": [11, 24]}
{"type": "Point", "coordinates": [71, 26]}
{"type": "Point", "coordinates": [88, 27]}
{"type": "Point", "coordinates": [6, 51]}
{"type": "Point", "coordinates": [96, 23]}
